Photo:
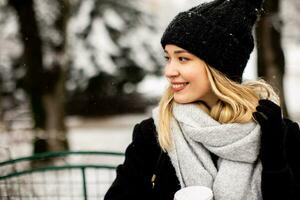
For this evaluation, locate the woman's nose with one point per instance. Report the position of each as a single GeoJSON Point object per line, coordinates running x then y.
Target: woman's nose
{"type": "Point", "coordinates": [171, 71]}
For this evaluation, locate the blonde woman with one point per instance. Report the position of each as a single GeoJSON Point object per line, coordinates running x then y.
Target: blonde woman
{"type": "Point", "coordinates": [210, 128]}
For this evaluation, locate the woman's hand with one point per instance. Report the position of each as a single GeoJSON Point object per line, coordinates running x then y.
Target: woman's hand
{"type": "Point", "coordinates": [269, 117]}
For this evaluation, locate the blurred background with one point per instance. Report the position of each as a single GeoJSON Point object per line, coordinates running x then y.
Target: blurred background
{"type": "Point", "coordinates": [77, 75]}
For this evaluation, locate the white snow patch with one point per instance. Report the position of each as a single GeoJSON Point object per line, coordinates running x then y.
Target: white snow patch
{"type": "Point", "coordinates": [81, 21]}
{"type": "Point", "coordinates": [152, 86]}
{"type": "Point", "coordinates": [101, 41]}
{"type": "Point", "coordinates": [83, 58]}
{"type": "Point", "coordinates": [113, 20]}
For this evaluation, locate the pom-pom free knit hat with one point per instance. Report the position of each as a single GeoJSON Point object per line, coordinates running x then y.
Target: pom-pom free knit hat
{"type": "Point", "coordinates": [218, 32]}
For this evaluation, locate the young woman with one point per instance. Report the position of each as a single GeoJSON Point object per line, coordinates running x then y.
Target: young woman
{"type": "Point", "coordinates": [210, 128]}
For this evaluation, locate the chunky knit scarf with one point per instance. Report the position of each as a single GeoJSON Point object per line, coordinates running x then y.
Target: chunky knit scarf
{"type": "Point", "coordinates": [195, 134]}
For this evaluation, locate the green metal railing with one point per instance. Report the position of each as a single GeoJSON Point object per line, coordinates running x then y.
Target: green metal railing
{"type": "Point", "coordinates": [56, 175]}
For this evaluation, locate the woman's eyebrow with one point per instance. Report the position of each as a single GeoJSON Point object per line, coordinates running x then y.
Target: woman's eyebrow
{"type": "Point", "coordinates": [177, 51]}
{"type": "Point", "coordinates": [180, 51]}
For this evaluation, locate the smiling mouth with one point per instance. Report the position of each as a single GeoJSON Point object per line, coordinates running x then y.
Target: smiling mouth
{"type": "Point", "coordinates": [178, 86]}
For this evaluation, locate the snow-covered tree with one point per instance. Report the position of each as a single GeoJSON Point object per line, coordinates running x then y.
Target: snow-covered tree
{"type": "Point", "coordinates": [101, 43]}
{"type": "Point", "coordinates": [114, 38]}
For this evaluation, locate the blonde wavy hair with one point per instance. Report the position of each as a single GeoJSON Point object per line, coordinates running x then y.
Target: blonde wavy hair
{"type": "Point", "coordinates": [236, 102]}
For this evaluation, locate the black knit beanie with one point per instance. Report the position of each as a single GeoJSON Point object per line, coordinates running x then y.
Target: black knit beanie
{"type": "Point", "coordinates": [218, 32]}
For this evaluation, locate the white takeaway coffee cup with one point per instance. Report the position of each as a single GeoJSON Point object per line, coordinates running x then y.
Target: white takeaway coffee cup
{"type": "Point", "coordinates": [194, 193]}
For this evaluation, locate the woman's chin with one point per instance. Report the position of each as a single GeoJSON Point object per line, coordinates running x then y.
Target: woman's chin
{"type": "Point", "coordinates": [181, 100]}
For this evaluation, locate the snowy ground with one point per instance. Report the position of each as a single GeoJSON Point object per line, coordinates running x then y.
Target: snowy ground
{"type": "Point", "coordinates": [110, 134]}
{"type": "Point", "coordinates": [100, 134]}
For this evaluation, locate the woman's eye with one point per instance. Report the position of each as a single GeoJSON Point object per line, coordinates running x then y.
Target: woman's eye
{"type": "Point", "coordinates": [183, 59]}
{"type": "Point", "coordinates": [166, 58]}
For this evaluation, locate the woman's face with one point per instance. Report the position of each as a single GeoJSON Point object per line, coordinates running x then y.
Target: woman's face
{"type": "Point", "coordinates": [188, 77]}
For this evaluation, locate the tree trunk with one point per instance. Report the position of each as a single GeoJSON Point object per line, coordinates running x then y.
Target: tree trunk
{"type": "Point", "coordinates": [271, 63]}
{"type": "Point", "coordinates": [55, 99]}
{"type": "Point", "coordinates": [45, 88]}
{"type": "Point", "coordinates": [33, 58]}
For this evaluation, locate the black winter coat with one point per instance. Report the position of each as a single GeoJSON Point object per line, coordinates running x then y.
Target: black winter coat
{"type": "Point", "coordinates": [133, 179]}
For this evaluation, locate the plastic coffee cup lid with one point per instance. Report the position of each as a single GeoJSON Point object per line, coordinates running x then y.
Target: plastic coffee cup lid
{"type": "Point", "coordinates": [194, 193]}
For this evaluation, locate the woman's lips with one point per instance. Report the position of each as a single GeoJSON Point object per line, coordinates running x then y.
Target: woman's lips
{"type": "Point", "coordinates": [176, 87]}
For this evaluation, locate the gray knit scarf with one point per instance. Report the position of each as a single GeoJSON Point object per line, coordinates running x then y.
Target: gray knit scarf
{"type": "Point", "coordinates": [195, 134]}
